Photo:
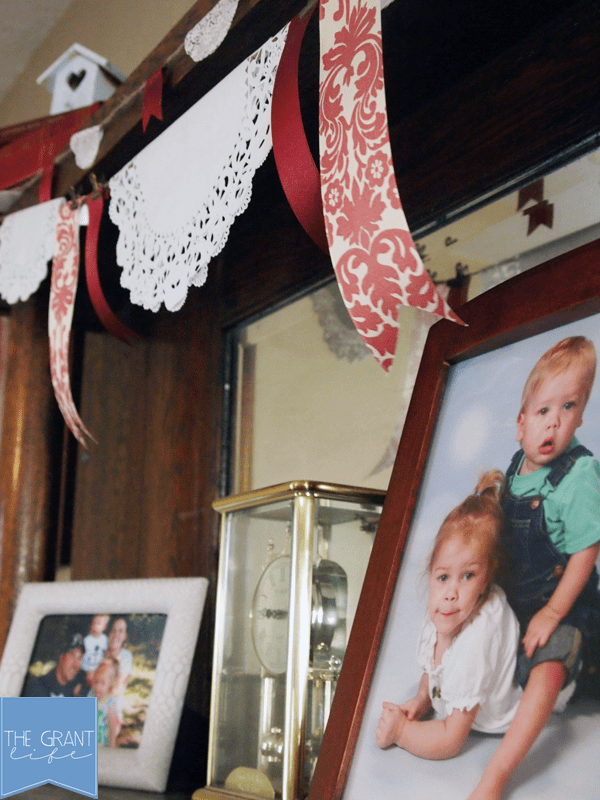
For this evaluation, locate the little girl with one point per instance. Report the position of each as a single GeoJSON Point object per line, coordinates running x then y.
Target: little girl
{"type": "Point", "coordinates": [468, 644]}
{"type": "Point", "coordinates": [103, 683]}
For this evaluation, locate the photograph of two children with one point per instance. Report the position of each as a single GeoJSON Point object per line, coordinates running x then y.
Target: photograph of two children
{"type": "Point", "coordinates": [487, 678]}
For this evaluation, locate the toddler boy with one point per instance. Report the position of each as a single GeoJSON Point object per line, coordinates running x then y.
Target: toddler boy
{"type": "Point", "coordinates": [552, 538]}
{"type": "Point", "coordinates": [95, 644]}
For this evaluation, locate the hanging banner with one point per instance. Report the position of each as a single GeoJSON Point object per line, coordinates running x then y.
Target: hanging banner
{"type": "Point", "coordinates": [375, 259]}
{"type": "Point", "coordinates": [63, 289]}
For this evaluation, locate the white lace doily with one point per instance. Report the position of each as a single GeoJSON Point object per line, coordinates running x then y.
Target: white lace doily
{"type": "Point", "coordinates": [85, 145]}
{"type": "Point", "coordinates": [176, 200]}
{"type": "Point", "coordinates": [27, 240]}
{"type": "Point", "coordinates": [204, 38]}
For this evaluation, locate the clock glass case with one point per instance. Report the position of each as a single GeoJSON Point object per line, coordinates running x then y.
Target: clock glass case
{"type": "Point", "coordinates": [292, 562]}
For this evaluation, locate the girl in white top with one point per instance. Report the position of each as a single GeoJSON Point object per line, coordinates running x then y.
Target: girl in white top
{"type": "Point", "coordinates": [468, 644]}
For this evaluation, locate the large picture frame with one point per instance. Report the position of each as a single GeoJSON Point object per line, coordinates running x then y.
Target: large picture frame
{"type": "Point", "coordinates": [506, 330]}
{"type": "Point", "coordinates": [145, 766]}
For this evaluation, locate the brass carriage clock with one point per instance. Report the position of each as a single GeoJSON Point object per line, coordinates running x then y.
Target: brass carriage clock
{"type": "Point", "coordinates": [292, 563]}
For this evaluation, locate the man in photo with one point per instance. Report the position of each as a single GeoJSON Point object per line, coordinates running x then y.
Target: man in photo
{"type": "Point", "coordinates": [67, 679]}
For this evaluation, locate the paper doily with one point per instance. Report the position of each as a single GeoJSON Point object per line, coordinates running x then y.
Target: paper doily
{"type": "Point", "coordinates": [27, 240]}
{"type": "Point", "coordinates": [174, 203]}
{"type": "Point", "coordinates": [85, 145]}
{"type": "Point", "coordinates": [204, 38]}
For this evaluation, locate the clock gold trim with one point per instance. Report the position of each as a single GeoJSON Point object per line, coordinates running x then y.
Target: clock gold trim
{"type": "Point", "coordinates": [291, 489]}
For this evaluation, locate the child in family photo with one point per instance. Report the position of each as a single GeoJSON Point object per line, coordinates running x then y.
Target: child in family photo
{"type": "Point", "coordinates": [95, 644]}
{"type": "Point", "coordinates": [468, 643]}
{"type": "Point", "coordinates": [552, 538]}
{"type": "Point", "coordinates": [109, 718]}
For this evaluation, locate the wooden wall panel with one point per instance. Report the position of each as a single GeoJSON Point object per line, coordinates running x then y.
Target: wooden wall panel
{"type": "Point", "coordinates": [30, 458]}
{"type": "Point", "coordinates": [108, 524]}
{"type": "Point", "coordinates": [144, 493]}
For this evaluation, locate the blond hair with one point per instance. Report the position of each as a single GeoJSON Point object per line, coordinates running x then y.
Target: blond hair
{"type": "Point", "coordinates": [574, 351]}
{"type": "Point", "coordinates": [113, 664]}
{"type": "Point", "coordinates": [478, 518]}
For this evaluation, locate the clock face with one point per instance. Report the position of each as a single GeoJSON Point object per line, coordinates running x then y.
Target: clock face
{"type": "Point", "coordinates": [270, 615]}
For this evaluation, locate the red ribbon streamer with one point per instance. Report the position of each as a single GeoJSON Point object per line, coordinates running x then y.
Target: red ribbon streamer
{"type": "Point", "coordinates": [45, 192]}
{"type": "Point", "coordinates": [63, 289]}
{"type": "Point", "coordinates": [375, 259]}
{"type": "Point", "coordinates": [36, 149]}
{"type": "Point", "coordinates": [105, 314]}
{"type": "Point", "coordinates": [153, 98]}
{"type": "Point", "coordinates": [297, 170]}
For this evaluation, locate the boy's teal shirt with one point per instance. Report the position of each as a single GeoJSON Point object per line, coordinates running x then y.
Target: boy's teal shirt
{"type": "Point", "coordinates": [572, 509]}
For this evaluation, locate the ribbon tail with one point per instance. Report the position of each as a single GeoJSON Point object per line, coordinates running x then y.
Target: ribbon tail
{"type": "Point", "coordinates": [376, 262]}
{"type": "Point", "coordinates": [297, 170]}
{"type": "Point", "coordinates": [63, 289]}
{"type": "Point", "coordinates": [105, 314]}
{"type": "Point", "coordinates": [153, 98]}
{"type": "Point", "coordinates": [45, 190]}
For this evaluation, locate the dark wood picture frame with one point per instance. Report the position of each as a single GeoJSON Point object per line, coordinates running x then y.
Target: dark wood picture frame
{"type": "Point", "coordinates": [558, 292]}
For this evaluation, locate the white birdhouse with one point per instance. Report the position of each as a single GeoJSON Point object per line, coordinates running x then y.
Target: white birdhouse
{"type": "Point", "coordinates": [79, 78]}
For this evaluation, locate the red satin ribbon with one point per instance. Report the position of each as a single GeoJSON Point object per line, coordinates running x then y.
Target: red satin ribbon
{"type": "Point", "coordinates": [38, 146]}
{"type": "Point", "coordinates": [45, 191]}
{"type": "Point", "coordinates": [153, 98]}
{"type": "Point", "coordinates": [106, 316]}
{"type": "Point", "coordinates": [297, 170]}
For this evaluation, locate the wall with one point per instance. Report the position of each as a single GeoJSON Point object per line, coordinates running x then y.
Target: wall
{"type": "Point", "coordinates": [123, 31]}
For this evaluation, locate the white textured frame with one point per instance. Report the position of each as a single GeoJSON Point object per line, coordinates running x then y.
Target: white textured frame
{"type": "Point", "coordinates": [181, 599]}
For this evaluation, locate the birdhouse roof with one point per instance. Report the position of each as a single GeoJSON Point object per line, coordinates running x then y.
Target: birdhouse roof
{"type": "Point", "coordinates": [77, 50]}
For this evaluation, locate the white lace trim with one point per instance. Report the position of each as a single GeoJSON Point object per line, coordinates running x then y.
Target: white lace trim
{"type": "Point", "coordinates": [174, 203]}
{"type": "Point", "coordinates": [204, 38]}
{"type": "Point", "coordinates": [85, 145]}
{"type": "Point", "coordinates": [27, 240]}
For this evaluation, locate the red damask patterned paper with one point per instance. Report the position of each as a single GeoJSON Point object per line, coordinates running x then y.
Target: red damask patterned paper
{"type": "Point", "coordinates": [375, 259]}
{"type": "Point", "coordinates": [63, 289]}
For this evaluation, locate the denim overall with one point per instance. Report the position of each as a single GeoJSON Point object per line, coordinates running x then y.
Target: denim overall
{"type": "Point", "coordinates": [536, 566]}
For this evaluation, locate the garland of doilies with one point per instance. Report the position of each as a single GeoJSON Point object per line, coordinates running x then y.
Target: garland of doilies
{"type": "Point", "coordinates": [350, 206]}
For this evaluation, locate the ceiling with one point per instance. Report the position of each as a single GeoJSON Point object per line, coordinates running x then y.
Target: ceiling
{"type": "Point", "coordinates": [24, 24]}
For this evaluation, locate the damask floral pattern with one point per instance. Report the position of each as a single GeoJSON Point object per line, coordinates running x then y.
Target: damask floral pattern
{"type": "Point", "coordinates": [63, 289]}
{"type": "Point", "coordinates": [375, 259]}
